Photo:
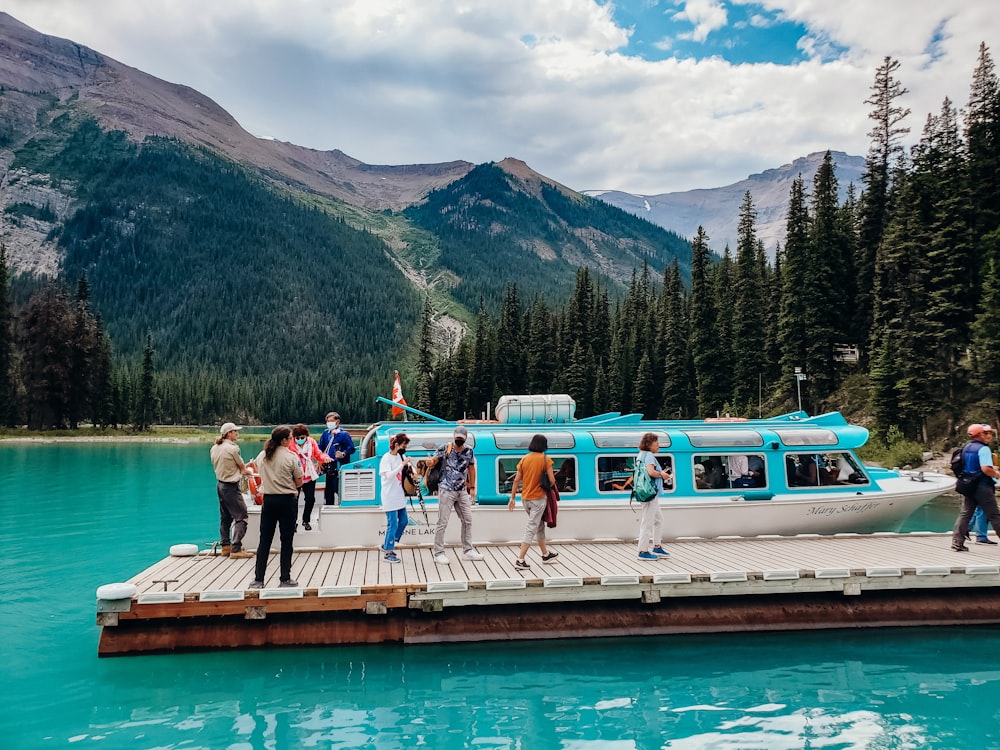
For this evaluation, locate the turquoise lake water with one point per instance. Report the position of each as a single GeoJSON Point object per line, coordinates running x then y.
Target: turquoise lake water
{"type": "Point", "coordinates": [78, 516]}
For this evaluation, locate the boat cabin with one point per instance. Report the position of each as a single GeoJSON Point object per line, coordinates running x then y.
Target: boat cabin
{"type": "Point", "coordinates": [593, 458]}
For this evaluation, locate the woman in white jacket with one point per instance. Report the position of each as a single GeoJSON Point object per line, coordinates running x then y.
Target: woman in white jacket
{"type": "Point", "coordinates": [390, 470]}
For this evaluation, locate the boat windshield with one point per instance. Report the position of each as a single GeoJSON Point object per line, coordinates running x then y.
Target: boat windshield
{"type": "Point", "coordinates": [807, 437]}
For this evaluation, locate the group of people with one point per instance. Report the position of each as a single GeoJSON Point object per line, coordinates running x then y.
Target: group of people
{"type": "Point", "coordinates": [979, 479]}
{"type": "Point", "coordinates": [290, 463]}
{"type": "Point", "coordinates": [456, 489]}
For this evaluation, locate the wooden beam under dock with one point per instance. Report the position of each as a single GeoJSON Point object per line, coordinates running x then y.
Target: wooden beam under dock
{"type": "Point", "coordinates": [591, 589]}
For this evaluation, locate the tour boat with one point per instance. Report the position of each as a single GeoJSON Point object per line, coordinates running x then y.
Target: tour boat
{"type": "Point", "coordinates": [786, 475]}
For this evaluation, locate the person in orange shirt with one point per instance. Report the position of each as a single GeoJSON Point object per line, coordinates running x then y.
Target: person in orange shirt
{"type": "Point", "coordinates": [530, 471]}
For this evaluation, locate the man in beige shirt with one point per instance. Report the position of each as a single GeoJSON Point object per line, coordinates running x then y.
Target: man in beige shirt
{"type": "Point", "coordinates": [229, 467]}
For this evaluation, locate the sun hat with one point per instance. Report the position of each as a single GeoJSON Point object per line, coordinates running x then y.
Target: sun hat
{"type": "Point", "coordinates": [228, 427]}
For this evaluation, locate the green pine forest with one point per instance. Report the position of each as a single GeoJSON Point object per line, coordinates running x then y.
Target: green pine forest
{"type": "Point", "coordinates": [200, 293]}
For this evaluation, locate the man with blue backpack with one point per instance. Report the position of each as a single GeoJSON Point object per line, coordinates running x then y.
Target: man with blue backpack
{"type": "Point", "coordinates": [976, 484]}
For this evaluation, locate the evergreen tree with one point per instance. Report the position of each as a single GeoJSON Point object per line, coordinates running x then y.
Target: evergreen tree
{"type": "Point", "coordinates": [939, 167]}
{"type": "Point", "coordinates": [704, 341]}
{"type": "Point", "coordinates": [45, 340]}
{"type": "Point", "coordinates": [982, 134]}
{"type": "Point", "coordinates": [146, 404]}
{"type": "Point", "coordinates": [510, 346]}
{"type": "Point", "coordinates": [677, 399]}
{"type": "Point", "coordinates": [986, 330]}
{"type": "Point", "coordinates": [793, 330]}
{"type": "Point", "coordinates": [425, 361]}
{"type": "Point", "coordinates": [748, 312]}
{"type": "Point", "coordinates": [884, 151]}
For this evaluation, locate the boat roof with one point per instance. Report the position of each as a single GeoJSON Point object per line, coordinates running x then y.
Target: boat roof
{"type": "Point", "coordinates": [791, 431]}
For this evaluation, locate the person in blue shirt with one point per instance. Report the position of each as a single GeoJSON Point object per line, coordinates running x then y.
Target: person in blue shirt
{"type": "Point", "coordinates": [338, 445]}
{"type": "Point", "coordinates": [978, 464]}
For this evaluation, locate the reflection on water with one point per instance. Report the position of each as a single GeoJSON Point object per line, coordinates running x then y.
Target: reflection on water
{"type": "Point", "coordinates": [80, 516]}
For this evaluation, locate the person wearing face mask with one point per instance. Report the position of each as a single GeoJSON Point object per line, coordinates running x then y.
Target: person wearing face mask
{"type": "Point", "coordinates": [455, 490]}
{"type": "Point", "coordinates": [310, 456]}
{"type": "Point", "coordinates": [336, 443]}
{"type": "Point", "coordinates": [390, 469]}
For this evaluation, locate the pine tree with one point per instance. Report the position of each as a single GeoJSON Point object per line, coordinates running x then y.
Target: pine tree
{"type": "Point", "coordinates": [982, 134]}
{"type": "Point", "coordinates": [425, 361]}
{"type": "Point", "coordinates": [146, 405]}
{"type": "Point", "coordinates": [45, 340]}
{"type": "Point", "coordinates": [793, 330]}
{"type": "Point", "coordinates": [677, 398]}
{"type": "Point", "coordinates": [747, 318]}
{"type": "Point", "coordinates": [884, 151]}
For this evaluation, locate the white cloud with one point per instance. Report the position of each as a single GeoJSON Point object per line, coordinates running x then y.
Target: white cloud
{"type": "Point", "coordinates": [705, 15]}
{"type": "Point", "coordinates": [552, 83]}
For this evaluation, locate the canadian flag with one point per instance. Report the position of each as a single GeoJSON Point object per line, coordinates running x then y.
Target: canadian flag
{"type": "Point", "coordinates": [397, 395]}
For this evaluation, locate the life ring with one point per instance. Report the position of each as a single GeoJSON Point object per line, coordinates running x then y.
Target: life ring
{"type": "Point", "coordinates": [184, 550]}
{"type": "Point", "coordinates": [253, 484]}
{"type": "Point", "coordinates": [112, 591]}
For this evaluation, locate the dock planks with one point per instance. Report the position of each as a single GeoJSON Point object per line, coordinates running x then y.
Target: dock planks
{"type": "Point", "coordinates": [590, 589]}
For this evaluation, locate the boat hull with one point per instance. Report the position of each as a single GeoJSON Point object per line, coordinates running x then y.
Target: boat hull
{"type": "Point", "coordinates": [863, 511]}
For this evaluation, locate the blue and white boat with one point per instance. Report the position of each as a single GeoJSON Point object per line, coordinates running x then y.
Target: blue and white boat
{"type": "Point", "coordinates": [786, 475]}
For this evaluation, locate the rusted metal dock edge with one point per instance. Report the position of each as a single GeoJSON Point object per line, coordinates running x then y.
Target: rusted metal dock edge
{"type": "Point", "coordinates": [592, 589]}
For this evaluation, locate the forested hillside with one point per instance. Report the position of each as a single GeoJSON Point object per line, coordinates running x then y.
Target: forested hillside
{"type": "Point", "coordinates": [494, 228]}
{"type": "Point", "coordinates": [257, 304]}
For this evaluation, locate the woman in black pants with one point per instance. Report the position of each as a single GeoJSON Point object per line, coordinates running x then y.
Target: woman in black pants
{"type": "Point", "coordinates": [281, 477]}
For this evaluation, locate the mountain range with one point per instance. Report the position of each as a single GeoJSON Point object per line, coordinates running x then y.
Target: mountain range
{"type": "Point", "coordinates": [146, 186]}
{"type": "Point", "coordinates": [717, 209]}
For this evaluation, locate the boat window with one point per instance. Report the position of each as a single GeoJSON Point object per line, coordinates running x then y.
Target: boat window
{"type": "Point", "coordinates": [719, 438]}
{"type": "Point", "coordinates": [564, 467]}
{"type": "Point", "coordinates": [807, 437]}
{"type": "Point", "coordinates": [823, 469]}
{"type": "Point", "coordinates": [728, 472]}
{"type": "Point", "coordinates": [508, 441]}
{"type": "Point", "coordinates": [565, 471]}
{"type": "Point", "coordinates": [615, 473]}
{"type": "Point", "coordinates": [626, 439]}
{"type": "Point", "coordinates": [428, 441]}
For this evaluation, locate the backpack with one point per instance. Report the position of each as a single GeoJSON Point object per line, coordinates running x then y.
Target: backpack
{"type": "Point", "coordinates": [957, 461]}
{"type": "Point", "coordinates": [643, 486]}
{"type": "Point", "coordinates": [433, 476]}
{"type": "Point", "coordinates": [967, 481]}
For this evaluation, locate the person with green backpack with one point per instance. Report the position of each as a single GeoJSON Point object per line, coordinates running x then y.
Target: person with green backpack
{"type": "Point", "coordinates": [646, 488]}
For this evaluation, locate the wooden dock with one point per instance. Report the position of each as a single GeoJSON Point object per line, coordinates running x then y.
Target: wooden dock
{"type": "Point", "coordinates": [590, 589]}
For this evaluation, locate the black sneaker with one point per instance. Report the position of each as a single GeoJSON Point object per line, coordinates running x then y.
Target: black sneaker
{"type": "Point", "coordinates": [959, 548]}
{"type": "Point", "coordinates": [289, 584]}
{"type": "Point", "coordinates": [522, 564]}
{"type": "Point", "coordinates": [306, 526]}
{"type": "Point", "coordinates": [985, 541]}
{"type": "Point", "coordinates": [550, 556]}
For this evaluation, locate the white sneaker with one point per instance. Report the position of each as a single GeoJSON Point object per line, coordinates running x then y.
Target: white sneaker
{"type": "Point", "coordinates": [442, 559]}
{"type": "Point", "coordinates": [473, 555]}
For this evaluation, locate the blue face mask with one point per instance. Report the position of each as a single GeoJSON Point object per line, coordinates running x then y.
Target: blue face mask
{"type": "Point", "coordinates": [332, 426]}
{"type": "Point", "coordinates": [300, 441]}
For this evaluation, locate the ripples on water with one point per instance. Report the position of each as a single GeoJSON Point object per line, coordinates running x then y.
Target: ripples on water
{"type": "Point", "coordinates": [908, 688]}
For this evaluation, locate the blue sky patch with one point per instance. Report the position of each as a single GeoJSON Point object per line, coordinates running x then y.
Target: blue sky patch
{"type": "Point", "coordinates": [749, 34]}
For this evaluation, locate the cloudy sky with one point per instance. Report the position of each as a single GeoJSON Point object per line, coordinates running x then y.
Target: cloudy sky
{"type": "Point", "coordinates": [647, 96]}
